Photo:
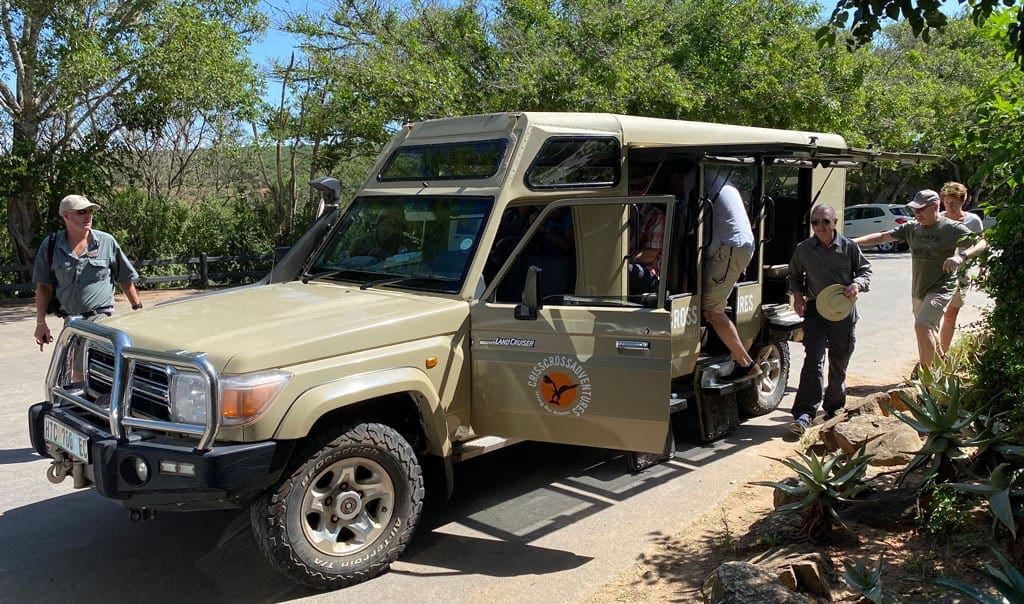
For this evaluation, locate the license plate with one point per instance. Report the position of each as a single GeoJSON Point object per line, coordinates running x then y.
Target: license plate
{"type": "Point", "coordinates": [70, 441]}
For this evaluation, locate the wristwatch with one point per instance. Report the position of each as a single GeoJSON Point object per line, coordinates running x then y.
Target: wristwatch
{"type": "Point", "coordinates": [963, 256]}
{"type": "Point", "coordinates": [137, 306]}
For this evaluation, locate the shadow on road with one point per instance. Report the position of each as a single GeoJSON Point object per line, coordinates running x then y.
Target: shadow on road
{"type": "Point", "coordinates": [78, 546]}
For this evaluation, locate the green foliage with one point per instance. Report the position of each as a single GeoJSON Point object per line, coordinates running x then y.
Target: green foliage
{"type": "Point", "coordinates": [379, 64]}
{"type": "Point", "coordinates": [945, 510]}
{"type": "Point", "coordinates": [1004, 491]}
{"type": "Point", "coordinates": [864, 18]}
{"type": "Point", "coordinates": [1007, 580]}
{"type": "Point", "coordinates": [821, 486]}
{"type": "Point", "coordinates": [87, 71]}
{"type": "Point", "coordinates": [868, 584]}
{"type": "Point", "coordinates": [999, 135]}
{"type": "Point", "coordinates": [149, 228]}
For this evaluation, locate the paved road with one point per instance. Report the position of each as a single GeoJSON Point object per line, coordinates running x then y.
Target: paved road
{"type": "Point", "coordinates": [530, 523]}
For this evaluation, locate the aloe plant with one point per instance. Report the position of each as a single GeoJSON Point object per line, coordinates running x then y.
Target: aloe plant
{"type": "Point", "coordinates": [949, 428]}
{"type": "Point", "coordinates": [1007, 580]}
{"type": "Point", "coordinates": [1004, 491]}
{"type": "Point", "coordinates": [868, 583]}
{"type": "Point", "coordinates": [821, 485]}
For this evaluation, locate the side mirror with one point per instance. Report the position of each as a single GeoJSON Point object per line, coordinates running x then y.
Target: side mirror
{"type": "Point", "coordinates": [330, 194]}
{"type": "Point", "coordinates": [527, 311]}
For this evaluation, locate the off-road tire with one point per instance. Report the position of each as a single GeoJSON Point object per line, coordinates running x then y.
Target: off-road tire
{"type": "Point", "coordinates": [770, 386]}
{"type": "Point", "coordinates": [294, 522]}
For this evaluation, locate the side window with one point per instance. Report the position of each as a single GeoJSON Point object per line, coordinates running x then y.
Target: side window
{"type": "Point", "coordinates": [551, 246]}
{"type": "Point", "coordinates": [851, 214]}
{"type": "Point", "coordinates": [582, 250]}
{"type": "Point", "coordinates": [566, 162]}
{"type": "Point", "coordinates": [873, 212]}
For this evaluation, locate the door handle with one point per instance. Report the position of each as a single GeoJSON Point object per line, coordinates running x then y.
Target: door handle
{"type": "Point", "coordinates": [642, 347]}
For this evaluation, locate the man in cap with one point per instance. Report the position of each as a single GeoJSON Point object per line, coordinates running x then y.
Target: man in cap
{"type": "Point", "coordinates": [933, 241]}
{"type": "Point", "coordinates": [80, 266]}
{"type": "Point", "coordinates": [823, 260]}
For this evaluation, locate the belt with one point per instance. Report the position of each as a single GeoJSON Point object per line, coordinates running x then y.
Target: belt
{"type": "Point", "coordinates": [99, 310]}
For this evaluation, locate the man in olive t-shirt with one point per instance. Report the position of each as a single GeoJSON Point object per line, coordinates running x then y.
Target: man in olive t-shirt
{"type": "Point", "coordinates": [934, 262]}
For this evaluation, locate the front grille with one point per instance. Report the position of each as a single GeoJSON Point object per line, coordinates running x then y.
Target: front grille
{"type": "Point", "coordinates": [149, 385]}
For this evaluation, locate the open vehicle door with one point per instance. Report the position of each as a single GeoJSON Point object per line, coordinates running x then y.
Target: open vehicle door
{"type": "Point", "coordinates": [561, 352]}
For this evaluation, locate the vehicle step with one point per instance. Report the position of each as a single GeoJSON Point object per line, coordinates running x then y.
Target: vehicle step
{"type": "Point", "coordinates": [677, 403]}
{"type": "Point", "coordinates": [480, 445]}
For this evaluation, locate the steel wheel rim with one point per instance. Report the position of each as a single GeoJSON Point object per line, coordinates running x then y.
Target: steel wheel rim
{"type": "Point", "coordinates": [347, 506]}
{"type": "Point", "coordinates": [770, 361]}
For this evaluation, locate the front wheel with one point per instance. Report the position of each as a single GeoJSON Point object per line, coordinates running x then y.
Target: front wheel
{"type": "Point", "coordinates": [773, 357]}
{"type": "Point", "coordinates": [346, 513]}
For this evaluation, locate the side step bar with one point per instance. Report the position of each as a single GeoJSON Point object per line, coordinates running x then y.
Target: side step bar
{"type": "Point", "coordinates": [480, 445]}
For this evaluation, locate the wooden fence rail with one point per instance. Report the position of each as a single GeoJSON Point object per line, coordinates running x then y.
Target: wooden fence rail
{"type": "Point", "coordinates": [201, 278]}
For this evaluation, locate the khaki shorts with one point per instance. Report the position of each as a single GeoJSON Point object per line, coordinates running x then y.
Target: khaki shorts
{"type": "Point", "coordinates": [958, 298]}
{"type": "Point", "coordinates": [722, 270]}
{"type": "Point", "coordinates": [929, 311]}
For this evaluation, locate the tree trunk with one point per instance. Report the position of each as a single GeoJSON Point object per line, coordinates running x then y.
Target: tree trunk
{"type": "Point", "coordinates": [23, 204]}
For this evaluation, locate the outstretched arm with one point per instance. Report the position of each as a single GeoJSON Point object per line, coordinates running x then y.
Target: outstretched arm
{"type": "Point", "coordinates": [873, 239]}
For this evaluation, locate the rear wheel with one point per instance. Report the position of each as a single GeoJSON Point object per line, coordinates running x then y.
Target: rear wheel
{"type": "Point", "coordinates": [773, 358]}
{"type": "Point", "coordinates": [346, 513]}
{"type": "Point", "coordinates": [887, 247]}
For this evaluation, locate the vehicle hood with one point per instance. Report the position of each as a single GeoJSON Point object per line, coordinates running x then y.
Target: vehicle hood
{"type": "Point", "coordinates": [252, 328]}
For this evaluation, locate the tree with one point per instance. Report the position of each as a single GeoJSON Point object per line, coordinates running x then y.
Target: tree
{"type": "Point", "coordinates": [80, 74]}
{"type": "Point", "coordinates": [381, 64]}
{"type": "Point", "coordinates": [862, 19]}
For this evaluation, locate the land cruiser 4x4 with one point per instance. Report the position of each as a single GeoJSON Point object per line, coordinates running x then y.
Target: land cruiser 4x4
{"type": "Point", "coordinates": [431, 320]}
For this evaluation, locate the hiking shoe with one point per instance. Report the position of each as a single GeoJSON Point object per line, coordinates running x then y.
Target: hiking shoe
{"type": "Point", "coordinates": [800, 425]}
{"type": "Point", "coordinates": [740, 373]}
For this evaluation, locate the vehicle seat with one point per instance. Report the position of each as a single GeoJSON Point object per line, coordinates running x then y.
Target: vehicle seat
{"type": "Point", "coordinates": [557, 278]}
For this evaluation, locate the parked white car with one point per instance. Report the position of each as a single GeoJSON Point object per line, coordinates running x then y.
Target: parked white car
{"type": "Point", "coordinates": [868, 218]}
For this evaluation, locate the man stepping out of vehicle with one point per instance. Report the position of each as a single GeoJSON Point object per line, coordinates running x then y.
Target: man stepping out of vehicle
{"type": "Point", "coordinates": [729, 253]}
{"type": "Point", "coordinates": [826, 273]}
{"type": "Point", "coordinates": [933, 241]}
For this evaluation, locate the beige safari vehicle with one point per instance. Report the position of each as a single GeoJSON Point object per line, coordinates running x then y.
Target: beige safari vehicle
{"type": "Point", "coordinates": [473, 294]}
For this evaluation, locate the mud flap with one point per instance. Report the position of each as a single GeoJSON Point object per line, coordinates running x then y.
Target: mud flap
{"type": "Point", "coordinates": [638, 462]}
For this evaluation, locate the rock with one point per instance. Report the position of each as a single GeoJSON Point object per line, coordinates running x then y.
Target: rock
{"type": "Point", "coordinates": [872, 404]}
{"type": "Point", "coordinates": [895, 402]}
{"type": "Point", "coordinates": [799, 568]}
{"type": "Point", "coordinates": [743, 582]}
{"type": "Point", "coordinates": [893, 441]}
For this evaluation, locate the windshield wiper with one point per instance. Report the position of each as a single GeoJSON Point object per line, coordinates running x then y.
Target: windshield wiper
{"type": "Point", "coordinates": [307, 276]}
{"type": "Point", "coordinates": [383, 281]}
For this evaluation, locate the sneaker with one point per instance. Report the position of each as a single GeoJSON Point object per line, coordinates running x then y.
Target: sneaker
{"type": "Point", "coordinates": [800, 425]}
{"type": "Point", "coordinates": [740, 373]}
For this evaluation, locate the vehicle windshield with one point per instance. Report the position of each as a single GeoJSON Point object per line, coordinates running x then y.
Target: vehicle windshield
{"type": "Point", "coordinates": [420, 243]}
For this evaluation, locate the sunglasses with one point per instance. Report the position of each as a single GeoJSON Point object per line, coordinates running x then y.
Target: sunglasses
{"type": "Point", "coordinates": [817, 222]}
{"type": "Point", "coordinates": [83, 212]}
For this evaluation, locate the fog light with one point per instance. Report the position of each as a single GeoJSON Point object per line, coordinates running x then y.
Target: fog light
{"type": "Point", "coordinates": [141, 469]}
{"type": "Point", "coordinates": [134, 470]}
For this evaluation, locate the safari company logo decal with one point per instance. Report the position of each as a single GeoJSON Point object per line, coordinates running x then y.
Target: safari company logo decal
{"type": "Point", "coordinates": [561, 385]}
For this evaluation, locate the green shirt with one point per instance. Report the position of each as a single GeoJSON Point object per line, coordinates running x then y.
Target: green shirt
{"type": "Point", "coordinates": [929, 248]}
